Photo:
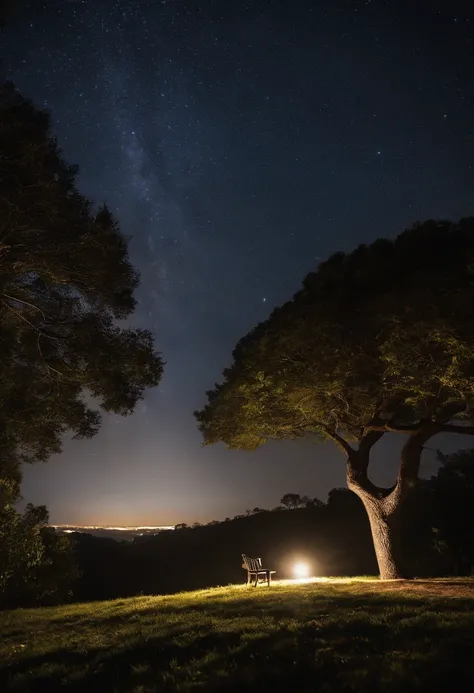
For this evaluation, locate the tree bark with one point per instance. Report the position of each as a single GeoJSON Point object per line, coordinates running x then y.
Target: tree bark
{"type": "Point", "coordinates": [384, 506]}
{"type": "Point", "coordinates": [386, 530]}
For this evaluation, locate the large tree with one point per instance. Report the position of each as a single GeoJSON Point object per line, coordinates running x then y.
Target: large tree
{"type": "Point", "coordinates": [66, 286]}
{"type": "Point", "coordinates": [379, 340]}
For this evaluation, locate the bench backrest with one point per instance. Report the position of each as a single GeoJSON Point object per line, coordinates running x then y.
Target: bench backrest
{"type": "Point", "coordinates": [252, 563]}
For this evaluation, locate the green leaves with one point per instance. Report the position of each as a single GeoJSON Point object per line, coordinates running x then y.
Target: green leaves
{"type": "Point", "coordinates": [384, 334]}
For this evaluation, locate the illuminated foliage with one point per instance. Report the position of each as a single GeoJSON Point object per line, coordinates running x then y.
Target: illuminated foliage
{"type": "Point", "coordinates": [383, 335]}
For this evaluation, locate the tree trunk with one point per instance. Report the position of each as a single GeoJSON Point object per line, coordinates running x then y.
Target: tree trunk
{"type": "Point", "coordinates": [386, 530]}
{"type": "Point", "coordinates": [384, 506]}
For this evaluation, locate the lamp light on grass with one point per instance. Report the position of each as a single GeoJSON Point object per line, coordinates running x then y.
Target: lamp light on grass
{"type": "Point", "coordinates": [301, 571]}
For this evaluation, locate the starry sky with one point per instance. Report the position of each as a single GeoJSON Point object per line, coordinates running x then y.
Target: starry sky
{"type": "Point", "coordinates": [239, 143]}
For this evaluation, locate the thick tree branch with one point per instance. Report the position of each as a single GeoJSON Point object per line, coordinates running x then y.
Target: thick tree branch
{"type": "Point", "coordinates": [358, 465]}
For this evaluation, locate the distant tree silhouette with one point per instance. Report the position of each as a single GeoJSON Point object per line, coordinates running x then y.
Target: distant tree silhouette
{"type": "Point", "coordinates": [340, 499]}
{"type": "Point", "coordinates": [378, 340]}
{"type": "Point", "coordinates": [292, 500]}
{"type": "Point", "coordinates": [181, 525]}
{"type": "Point", "coordinates": [312, 502]}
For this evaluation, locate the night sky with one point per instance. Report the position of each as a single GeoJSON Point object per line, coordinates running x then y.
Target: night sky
{"type": "Point", "coordinates": [238, 143]}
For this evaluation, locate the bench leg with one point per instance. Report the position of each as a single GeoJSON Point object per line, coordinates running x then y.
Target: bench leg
{"type": "Point", "coordinates": [269, 578]}
{"type": "Point", "coordinates": [248, 578]}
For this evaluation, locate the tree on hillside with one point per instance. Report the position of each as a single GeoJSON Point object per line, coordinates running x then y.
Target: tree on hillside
{"type": "Point", "coordinates": [293, 500]}
{"type": "Point", "coordinates": [312, 502]}
{"type": "Point", "coordinates": [379, 340]}
{"type": "Point", "coordinates": [65, 283]}
{"type": "Point", "coordinates": [341, 501]}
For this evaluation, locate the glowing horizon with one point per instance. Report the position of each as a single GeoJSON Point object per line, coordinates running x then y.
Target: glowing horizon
{"type": "Point", "coordinates": [123, 528]}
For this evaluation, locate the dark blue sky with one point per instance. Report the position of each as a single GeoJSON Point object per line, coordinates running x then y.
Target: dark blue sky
{"type": "Point", "coordinates": [238, 143]}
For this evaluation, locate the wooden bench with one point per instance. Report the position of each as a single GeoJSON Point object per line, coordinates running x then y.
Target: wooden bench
{"type": "Point", "coordinates": [256, 571]}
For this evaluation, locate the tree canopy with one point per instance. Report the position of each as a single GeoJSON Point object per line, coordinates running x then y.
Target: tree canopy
{"type": "Point", "coordinates": [379, 339]}
{"type": "Point", "coordinates": [66, 285]}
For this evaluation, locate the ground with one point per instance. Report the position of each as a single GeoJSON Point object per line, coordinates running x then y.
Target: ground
{"type": "Point", "coordinates": [334, 635]}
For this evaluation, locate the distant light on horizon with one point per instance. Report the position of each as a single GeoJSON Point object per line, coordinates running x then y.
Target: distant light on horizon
{"type": "Point", "coordinates": [130, 528]}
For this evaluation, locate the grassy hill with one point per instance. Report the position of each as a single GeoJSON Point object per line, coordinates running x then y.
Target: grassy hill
{"type": "Point", "coordinates": [341, 635]}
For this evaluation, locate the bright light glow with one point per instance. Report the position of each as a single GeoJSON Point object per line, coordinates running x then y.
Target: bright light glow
{"type": "Point", "coordinates": [301, 570]}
